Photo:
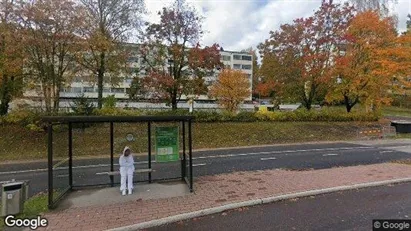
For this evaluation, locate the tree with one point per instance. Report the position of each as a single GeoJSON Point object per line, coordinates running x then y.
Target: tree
{"type": "Point", "coordinates": [11, 55]}
{"type": "Point", "coordinates": [136, 89]}
{"type": "Point", "coordinates": [231, 89]}
{"type": "Point", "coordinates": [175, 61]}
{"type": "Point", "coordinates": [109, 24]}
{"type": "Point", "coordinates": [300, 55]}
{"type": "Point", "coordinates": [362, 77]}
{"type": "Point", "coordinates": [50, 42]}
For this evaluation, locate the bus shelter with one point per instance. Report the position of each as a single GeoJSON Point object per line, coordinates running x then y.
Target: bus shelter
{"type": "Point", "coordinates": [68, 136]}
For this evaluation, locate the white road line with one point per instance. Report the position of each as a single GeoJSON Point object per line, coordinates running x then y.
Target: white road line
{"type": "Point", "coordinates": [331, 154]}
{"type": "Point", "coordinates": [206, 157]}
{"type": "Point", "coordinates": [61, 176]}
{"type": "Point", "coordinates": [269, 158]}
{"type": "Point", "coordinates": [196, 165]}
{"type": "Point", "coordinates": [386, 151]}
{"type": "Point", "coordinates": [277, 152]}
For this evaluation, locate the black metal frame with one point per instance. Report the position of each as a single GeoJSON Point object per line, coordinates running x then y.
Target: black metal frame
{"type": "Point", "coordinates": [70, 120]}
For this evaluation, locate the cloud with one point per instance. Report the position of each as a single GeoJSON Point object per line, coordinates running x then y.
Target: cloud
{"type": "Point", "coordinates": [239, 24]}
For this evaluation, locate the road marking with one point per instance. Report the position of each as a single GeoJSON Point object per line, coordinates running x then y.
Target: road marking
{"type": "Point", "coordinates": [331, 154]}
{"type": "Point", "coordinates": [196, 165]}
{"type": "Point", "coordinates": [269, 158]}
{"type": "Point", "coordinates": [209, 157]}
{"type": "Point", "coordinates": [386, 151]}
{"type": "Point", "coordinates": [279, 152]}
{"type": "Point", "coordinates": [61, 176]}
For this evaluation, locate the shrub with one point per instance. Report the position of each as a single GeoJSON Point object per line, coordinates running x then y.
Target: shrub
{"type": "Point", "coordinates": [206, 116]}
{"type": "Point", "coordinates": [82, 106]}
{"type": "Point", "coordinates": [245, 116]}
{"type": "Point", "coordinates": [112, 111]}
{"type": "Point", "coordinates": [110, 102]}
{"type": "Point", "coordinates": [22, 117]}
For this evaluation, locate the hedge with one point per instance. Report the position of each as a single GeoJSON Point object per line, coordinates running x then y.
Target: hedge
{"type": "Point", "coordinates": [31, 120]}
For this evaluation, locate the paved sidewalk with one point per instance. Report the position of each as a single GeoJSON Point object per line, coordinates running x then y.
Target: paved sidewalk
{"type": "Point", "coordinates": [212, 191]}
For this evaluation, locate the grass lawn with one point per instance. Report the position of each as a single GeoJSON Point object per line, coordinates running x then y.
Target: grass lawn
{"type": "Point", "coordinates": [33, 207]}
{"type": "Point", "coordinates": [396, 111]}
{"type": "Point", "coordinates": [17, 143]}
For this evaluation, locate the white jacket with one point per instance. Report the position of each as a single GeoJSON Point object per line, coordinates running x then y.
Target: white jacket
{"type": "Point", "coordinates": [126, 161]}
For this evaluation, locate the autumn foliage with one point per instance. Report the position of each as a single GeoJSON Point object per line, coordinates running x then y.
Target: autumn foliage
{"type": "Point", "coordinates": [300, 55]}
{"type": "Point", "coordinates": [364, 74]}
{"type": "Point", "coordinates": [231, 89]}
{"type": "Point", "coordinates": [340, 55]}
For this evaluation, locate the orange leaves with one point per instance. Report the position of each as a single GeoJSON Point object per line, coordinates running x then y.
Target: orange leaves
{"type": "Point", "coordinates": [231, 89]}
{"type": "Point", "coordinates": [365, 68]}
{"type": "Point", "coordinates": [265, 89]}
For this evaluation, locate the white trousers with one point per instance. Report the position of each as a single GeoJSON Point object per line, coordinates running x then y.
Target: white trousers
{"type": "Point", "coordinates": [126, 178]}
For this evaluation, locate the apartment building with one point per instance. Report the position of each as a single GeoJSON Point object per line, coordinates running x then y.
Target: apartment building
{"type": "Point", "coordinates": [80, 86]}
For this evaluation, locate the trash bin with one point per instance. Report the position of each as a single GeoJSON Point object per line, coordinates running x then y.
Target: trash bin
{"type": "Point", "coordinates": [13, 196]}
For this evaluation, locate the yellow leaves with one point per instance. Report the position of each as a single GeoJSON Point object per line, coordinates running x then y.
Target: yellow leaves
{"type": "Point", "coordinates": [231, 88]}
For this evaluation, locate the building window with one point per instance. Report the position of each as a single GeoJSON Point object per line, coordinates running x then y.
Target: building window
{"type": "Point", "coordinates": [237, 57]}
{"type": "Point", "coordinates": [117, 90]}
{"type": "Point", "coordinates": [237, 66]}
{"type": "Point", "coordinates": [246, 67]}
{"type": "Point", "coordinates": [76, 89]}
{"type": "Point", "coordinates": [227, 66]}
{"type": "Point", "coordinates": [88, 89]}
{"type": "Point", "coordinates": [226, 58]}
{"type": "Point", "coordinates": [246, 57]}
{"type": "Point", "coordinates": [106, 89]}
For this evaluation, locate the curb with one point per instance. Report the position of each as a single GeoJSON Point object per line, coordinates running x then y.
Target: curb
{"type": "Point", "coordinates": [219, 209]}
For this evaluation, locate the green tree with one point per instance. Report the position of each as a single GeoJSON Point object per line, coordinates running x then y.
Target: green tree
{"type": "Point", "coordinates": [82, 105]}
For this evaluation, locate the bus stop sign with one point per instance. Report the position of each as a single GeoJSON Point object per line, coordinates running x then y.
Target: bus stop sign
{"type": "Point", "coordinates": [167, 144]}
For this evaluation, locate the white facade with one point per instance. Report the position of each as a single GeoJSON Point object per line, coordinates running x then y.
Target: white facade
{"type": "Point", "coordinates": [234, 60]}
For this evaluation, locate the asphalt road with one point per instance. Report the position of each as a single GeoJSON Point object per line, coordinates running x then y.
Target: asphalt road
{"type": "Point", "coordinates": [349, 210]}
{"type": "Point", "coordinates": [315, 156]}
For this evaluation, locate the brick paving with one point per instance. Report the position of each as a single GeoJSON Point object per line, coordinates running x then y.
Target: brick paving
{"type": "Point", "coordinates": [217, 190]}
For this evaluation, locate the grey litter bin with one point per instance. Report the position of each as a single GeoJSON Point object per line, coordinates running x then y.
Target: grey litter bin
{"type": "Point", "coordinates": [13, 196]}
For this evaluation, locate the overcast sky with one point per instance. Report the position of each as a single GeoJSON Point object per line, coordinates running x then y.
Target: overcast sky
{"type": "Point", "coordinates": [239, 24]}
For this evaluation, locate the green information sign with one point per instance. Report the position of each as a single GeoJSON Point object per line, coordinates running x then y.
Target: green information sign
{"type": "Point", "coordinates": [167, 148]}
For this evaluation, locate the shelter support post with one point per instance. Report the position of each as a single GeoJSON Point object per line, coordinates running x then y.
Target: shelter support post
{"type": "Point", "coordinates": [190, 152]}
{"type": "Point", "coordinates": [111, 153]}
{"type": "Point", "coordinates": [149, 150]}
{"type": "Point", "coordinates": [183, 159]}
{"type": "Point", "coordinates": [70, 150]}
{"type": "Point", "coordinates": [50, 163]}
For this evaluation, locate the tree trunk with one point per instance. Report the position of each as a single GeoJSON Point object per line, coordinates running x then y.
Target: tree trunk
{"type": "Point", "coordinates": [47, 98]}
{"type": "Point", "coordinates": [56, 99]}
{"type": "Point", "coordinates": [5, 96]}
{"type": "Point", "coordinates": [348, 104]}
{"type": "Point", "coordinates": [174, 100]}
{"type": "Point", "coordinates": [100, 78]}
